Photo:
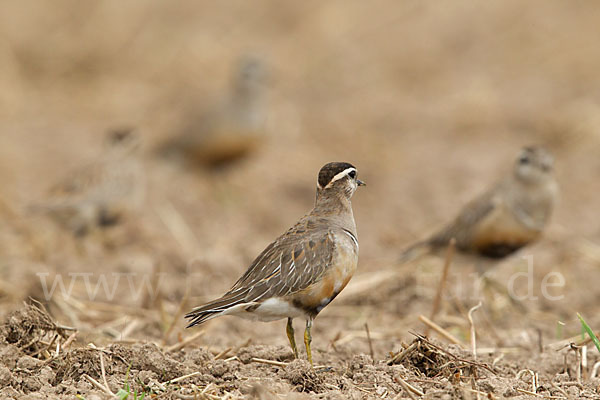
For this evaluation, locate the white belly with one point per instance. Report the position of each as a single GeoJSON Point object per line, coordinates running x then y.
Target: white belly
{"type": "Point", "coordinates": [269, 310]}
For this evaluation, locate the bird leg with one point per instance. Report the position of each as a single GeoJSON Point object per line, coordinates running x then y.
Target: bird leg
{"type": "Point", "coordinates": [307, 340]}
{"type": "Point", "coordinates": [290, 334]}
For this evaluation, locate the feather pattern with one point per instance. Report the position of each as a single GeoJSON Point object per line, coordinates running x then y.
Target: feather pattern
{"type": "Point", "coordinates": [306, 267]}
{"type": "Point", "coordinates": [293, 262]}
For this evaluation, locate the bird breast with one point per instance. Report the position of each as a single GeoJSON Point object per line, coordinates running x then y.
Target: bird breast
{"type": "Point", "coordinates": [335, 278]}
{"type": "Point", "coordinates": [502, 227]}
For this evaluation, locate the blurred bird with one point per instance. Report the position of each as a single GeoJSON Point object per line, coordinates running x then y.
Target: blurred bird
{"type": "Point", "coordinates": [509, 216]}
{"type": "Point", "coordinates": [101, 193]}
{"type": "Point", "coordinates": [304, 269]}
{"type": "Point", "coordinates": [230, 130]}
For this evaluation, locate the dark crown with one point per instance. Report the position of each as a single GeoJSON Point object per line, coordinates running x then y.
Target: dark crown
{"type": "Point", "coordinates": [330, 170]}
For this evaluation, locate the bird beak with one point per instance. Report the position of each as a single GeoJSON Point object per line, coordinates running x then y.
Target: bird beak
{"type": "Point", "coordinates": [360, 183]}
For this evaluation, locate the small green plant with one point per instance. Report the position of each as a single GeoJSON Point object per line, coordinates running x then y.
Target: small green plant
{"type": "Point", "coordinates": [125, 392]}
{"type": "Point", "coordinates": [589, 331]}
{"type": "Point", "coordinates": [559, 330]}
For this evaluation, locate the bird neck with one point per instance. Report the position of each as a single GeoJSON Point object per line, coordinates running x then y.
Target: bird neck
{"type": "Point", "coordinates": [336, 207]}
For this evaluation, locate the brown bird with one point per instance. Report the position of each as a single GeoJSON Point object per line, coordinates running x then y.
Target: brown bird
{"type": "Point", "coordinates": [509, 216]}
{"type": "Point", "coordinates": [230, 129]}
{"type": "Point", "coordinates": [101, 193]}
{"type": "Point", "coordinates": [304, 269]}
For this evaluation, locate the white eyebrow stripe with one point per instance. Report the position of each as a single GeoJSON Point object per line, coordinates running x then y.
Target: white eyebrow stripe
{"type": "Point", "coordinates": [340, 175]}
{"type": "Point", "coordinates": [351, 237]}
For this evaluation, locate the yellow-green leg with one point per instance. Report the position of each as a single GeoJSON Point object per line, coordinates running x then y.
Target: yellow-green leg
{"type": "Point", "coordinates": [307, 340]}
{"type": "Point", "coordinates": [290, 334]}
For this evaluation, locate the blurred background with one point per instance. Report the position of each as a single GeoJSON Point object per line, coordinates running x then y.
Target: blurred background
{"type": "Point", "coordinates": [431, 101]}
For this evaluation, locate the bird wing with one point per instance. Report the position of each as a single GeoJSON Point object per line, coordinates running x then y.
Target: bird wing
{"type": "Point", "coordinates": [461, 228]}
{"type": "Point", "coordinates": [467, 220]}
{"type": "Point", "coordinates": [285, 268]}
{"type": "Point", "coordinates": [292, 263]}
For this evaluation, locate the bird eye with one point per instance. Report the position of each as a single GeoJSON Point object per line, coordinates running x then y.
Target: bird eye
{"type": "Point", "coordinates": [524, 160]}
{"type": "Point", "coordinates": [352, 174]}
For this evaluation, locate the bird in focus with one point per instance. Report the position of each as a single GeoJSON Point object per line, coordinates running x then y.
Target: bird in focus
{"type": "Point", "coordinates": [509, 216]}
{"type": "Point", "coordinates": [304, 269]}
{"type": "Point", "coordinates": [101, 193]}
{"type": "Point", "coordinates": [228, 130]}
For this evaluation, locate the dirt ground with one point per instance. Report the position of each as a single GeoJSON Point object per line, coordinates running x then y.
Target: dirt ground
{"type": "Point", "coordinates": [431, 101]}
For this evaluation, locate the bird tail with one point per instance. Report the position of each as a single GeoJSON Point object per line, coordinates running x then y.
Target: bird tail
{"type": "Point", "coordinates": [215, 308]}
{"type": "Point", "coordinates": [415, 251]}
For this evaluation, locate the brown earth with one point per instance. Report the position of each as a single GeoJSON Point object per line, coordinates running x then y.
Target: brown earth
{"type": "Point", "coordinates": [431, 101]}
